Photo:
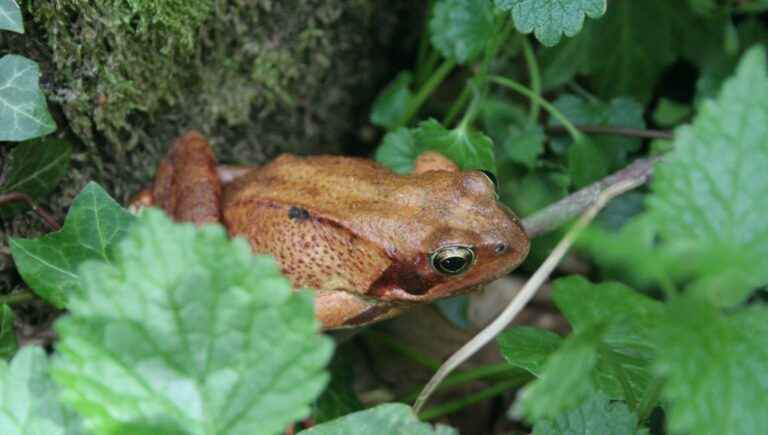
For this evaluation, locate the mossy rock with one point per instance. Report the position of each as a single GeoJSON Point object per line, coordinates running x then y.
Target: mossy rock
{"type": "Point", "coordinates": [258, 77]}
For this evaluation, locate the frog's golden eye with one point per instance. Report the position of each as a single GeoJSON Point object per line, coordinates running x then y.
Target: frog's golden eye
{"type": "Point", "coordinates": [452, 260]}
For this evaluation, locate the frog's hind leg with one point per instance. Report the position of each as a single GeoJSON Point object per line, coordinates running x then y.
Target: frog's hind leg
{"type": "Point", "coordinates": [187, 184]}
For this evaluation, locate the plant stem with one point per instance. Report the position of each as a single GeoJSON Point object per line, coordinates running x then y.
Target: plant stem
{"type": "Point", "coordinates": [426, 90]}
{"type": "Point", "coordinates": [457, 105]}
{"type": "Point", "coordinates": [527, 292]}
{"type": "Point", "coordinates": [575, 134]}
{"type": "Point", "coordinates": [619, 131]}
{"type": "Point", "coordinates": [424, 45]}
{"type": "Point", "coordinates": [406, 351]}
{"type": "Point", "coordinates": [453, 406]}
{"type": "Point", "coordinates": [43, 214]}
{"type": "Point", "coordinates": [535, 76]}
{"type": "Point", "coordinates": [464, 377]}
{"type": "Point", "coordinates": [18, 297]}
{"type": "Point", "coordinates": [557, 214]}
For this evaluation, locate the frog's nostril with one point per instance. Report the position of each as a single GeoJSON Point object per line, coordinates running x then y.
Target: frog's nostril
{"type": "Point", "coordinates": [500, 248]}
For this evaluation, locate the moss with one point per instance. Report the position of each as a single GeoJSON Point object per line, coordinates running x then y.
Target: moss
{"type": "Point", "coordinates": [256, 76]}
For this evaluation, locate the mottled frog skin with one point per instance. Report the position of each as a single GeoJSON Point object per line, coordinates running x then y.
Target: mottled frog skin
{"type": "Point", "coordinates": [369, 241]}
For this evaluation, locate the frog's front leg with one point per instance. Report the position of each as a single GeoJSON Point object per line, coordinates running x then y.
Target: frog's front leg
{"type": "Point", "coordinates": [187, 185]}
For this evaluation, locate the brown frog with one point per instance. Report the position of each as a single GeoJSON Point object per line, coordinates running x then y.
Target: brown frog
{"type": "Point", "coordinates": [371, 242]}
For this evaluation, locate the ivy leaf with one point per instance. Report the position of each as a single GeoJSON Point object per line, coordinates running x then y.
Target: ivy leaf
{"type": "Point", "coordinates": [28, 398]}
{"type": "Point", "coordinates": [469, 149]}
{"type": "Point", "coordinates": [10, 16]}
{"type": "Point", "coordinates": [34, 168]}
{"type": "Point", "coordinates": [389, 418]}
{"type": "Point", "coordinates": [190, 329]}
{"type": "Point", "coordinates": [715, 367]}
{"type": "Point", "coordinates": [550, 19]}
{"type": "Point", "coordinates": [390, 105]}
{"type": "Point", "coordinates": [704, 194]}
{"type": "Point", "coordinates": [94, 224]}
{"type": "Point", "coordinates": [8, 342]}
{"type": "Point", "coordinates": [398, 151]}
{"type": "Point", "coordinates": [598, 414]}
{"type": "Point", "coordinates": [23, 110]}
{"type": "Point", "coordinates": [461, 29]}
{"type": "Point", "coordinates": [528, 348]}
{"type": "Point", "coordinates": [587, 162]}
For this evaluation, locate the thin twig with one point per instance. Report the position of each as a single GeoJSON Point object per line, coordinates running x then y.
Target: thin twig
{"type": "Point", "coordinates": [557, 214]}
{"type": "Point", "coordinates": [619, 131]}
{"type": "Point", "coordinates": [44, 215]}
{"type": "Point", "coordinates": [527, 292]}
{"type": "Point", "coordinates": [18, 297]}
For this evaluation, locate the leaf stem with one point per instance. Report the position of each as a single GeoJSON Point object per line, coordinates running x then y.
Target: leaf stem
{"type": "Point", "coordinates": [527, 292]}
{"type": "Point", "coordinates": [457, 105]}
{"type": "Point", "coordinates": [535, 77]}
{"type": "Point", "coordinates": [43, 214]}
{"type": "Point", "coordinates": [426, 90]}
{"type": "Point", "coordinates": [467, 376]}
{"type": "Point", "coordinates": [575, 134]}
{"type": "Point", "coordinates": [453, 406]}
{"type": "Point", "coordinates": [18, 297]}
{"type": "Point", "coordinates": [649, 400]}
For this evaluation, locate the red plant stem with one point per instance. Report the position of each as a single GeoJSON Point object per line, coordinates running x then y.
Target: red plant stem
{"type": "Point", "coordinates": [44, 215]}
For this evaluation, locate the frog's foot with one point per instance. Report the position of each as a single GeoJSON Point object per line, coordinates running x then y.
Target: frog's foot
{"type": "Point", "coordinates": [187, 184]}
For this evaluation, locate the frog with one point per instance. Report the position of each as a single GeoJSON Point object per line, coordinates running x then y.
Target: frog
{"type": "Point", "coordinates": [369, 242]}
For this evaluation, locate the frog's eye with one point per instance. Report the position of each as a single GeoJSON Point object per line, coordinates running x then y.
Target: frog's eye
{"type": "Point", "coordinates": [452, 260]}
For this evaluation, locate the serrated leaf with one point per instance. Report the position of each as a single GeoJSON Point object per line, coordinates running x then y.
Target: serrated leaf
{"type": "Point", "coordinates": [10, 16]}
{"type": "Point", "coordinates": [626, 348]}
{"type": "Point", "coordinates": [461, 29]}
{"type": "Point", "coordinates": [634, 39]}
{"type": "Point", "coordinates": [34, 168]}
{"type": "Point", "coordinates": [28, 398]}
{"type": "Point", "coordinates": [524, 146]}
{"type": "Point", "coordinates": [23, 110]}
{"type": "Point", "coordinates": [94, 224]}
{"type": "Point", "coordinates": [715, 368]}
{"type": "Point", "coordinates": [398, 151]}
{"type": "Point", "coordinates": [8, 342]}
{"type": "Point", "coordinates": [601, 154]}
{"type": "Point", "coordinates": [469, 149]}
{"type": "Point", "coordinates": [390, 105]}
{"type": "Point", "coordinates": [189, 328]}
{"type": "Point", "coordinates": [549, 20]}
{"type": "Point", "coordinates": [528, 348]}
{"type": "Point", "coordinates": [566, 378]}
{"type": "Point", "coordinates": [389, 418]}
{"type": "Point", "coordinates": [705, 194]}
{"type": "Point", "coordinates": [596, 415]}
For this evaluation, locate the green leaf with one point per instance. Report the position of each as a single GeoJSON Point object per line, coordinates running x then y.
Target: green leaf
{"type": "Point", "coordinates": [10, 16]}
{"type": "Point", "coordinates": [390, 105]}
{"type": "Point", "coordinates": [469, 149]}
{"type": "Point", "coordinates": [8, 342]}
{"type": "Point", "coordinates": [524, 146]}
{"type": "Point", "coordinates": [587, 162]}
{"type": "Point", "coordinates": [398, 151]}
{"type": "Point", "coordinates": [28, 398]}
{"type": "Point", "coordinates": [596, 415]}
{"type": "Point", "coordinates": [609, 152]}
{"type": "Point", "coordinates": [461, 29]}
{"type": "Point", "coordinates": [566, 379]}
{"type": "Point", "coordinates": [23, 110]}
{"type": "Point", "coordinates": [190, 329]}
{"type": "Point", "coordinates": [94, 224]}
{"type": "Point", "coordinates": [716, 368]}
{"type": "Point", "coordinates": [550, 19]}
{"type": "Point", "coordinates": [634, 39]}
{"type": "Point", "coordinates": [34, 168]}
{"type": "Point", "coordinates": [528, 348]}
{"type": "Point", "coordinates": [389, 418]}
{"type": "Point", "coordinates": [670, 113]}
{"type": "Point", "coordinates": [626, 347]}
{"type": "Point", "coordinates": [704, 193]}
{"type": "Point", "coordinates": [339, 397]}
